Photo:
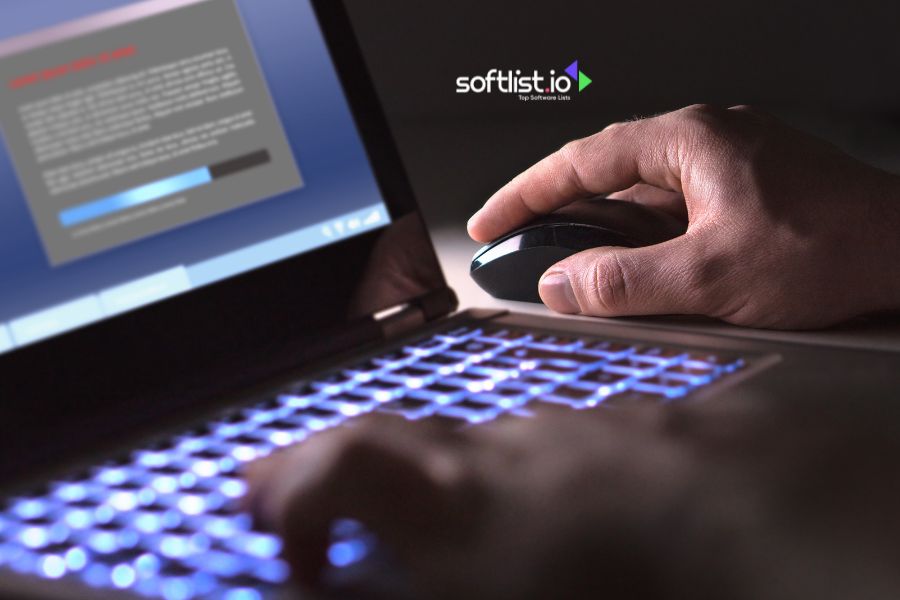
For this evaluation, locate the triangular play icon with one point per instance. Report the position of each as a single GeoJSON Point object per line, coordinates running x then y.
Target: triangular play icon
{"type": "Point", "coordinates": [572, 70]}
{"type": "Point", "coordinates": [583, 81]}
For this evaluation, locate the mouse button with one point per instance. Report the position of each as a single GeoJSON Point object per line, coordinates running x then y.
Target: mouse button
{"type": "Point", "coordinates": [493, 251]}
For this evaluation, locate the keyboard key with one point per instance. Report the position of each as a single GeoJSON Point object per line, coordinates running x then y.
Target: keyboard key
{"type": "Point", "coordinates": [555, 372]}
{"type": "Point", "coordinates": [694, 373]}
{"type": "Point", "coordinates": [381, 390]}
{"type": "Point", "coordinates": [440, 392]}
{"type": "Point", "coordinates": [333, 384]}
{"type": "Point", "coordinates": [661, 355]}
{"type": "Point", "coordinates": [725, 362]}
{"type": "Point", "coordinates": [605, 383]}
{"type": "Point", "coordinates": [573, 397]}
{"type": "Point", "coordinates": [609, 350]}
{"type": "Point", "coordinates": [663, 386]}
{"type": "Point", "coordinates": [537, 355]}
{"type": "Point", "coordinates": [506, 335]}
{"type": "Point", "coordinates": [427, 347]}
{"type": "Point", "coordinates": [473, 381]}
{"type": "Point", "coordinates": [632, 398]}
{"type": "Point", "coordinates": [220, 524]}
{"type": "Point", "coordinates": [459, 334]}
{"type": "Point", "coordinates": [554, 342]}
{"type": "Point", "coordinates": [502, 401]}
{"type": "Point", "coordinates": [536, 384]}
{"type": "Point", "coordinates": [472, 411]}
{"type": "Point", "coordinates": [443, 365]}
{"type": "Point", "coordinates": [634, 366]}
{"type": "Point", "coordinates": [411, 408]}
{"type": "Point", "coordinates": [259, 545]}
{"type": "Point", "coordinates": [412, 377]}
{"type": "Point", "coordinates": [351, 404]}
{"type": "Point", "coordinates": [513, 390]}
{"type": "Point", "coordinates": [479, 348]}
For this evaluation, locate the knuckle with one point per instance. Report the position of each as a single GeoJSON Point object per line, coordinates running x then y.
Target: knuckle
{"type": "Point", "coordinates": [702, 118]}
{"type": "Point", "coordinates": [572, 149]}
{"type": "Point", "coordinates": [702, 111]}
{"type": "Point", "coordinates": [607, 286]}
{"type": "Point", "coordinates": [352, 449]}
{"type": "Point", "coordinates": [573, 156]}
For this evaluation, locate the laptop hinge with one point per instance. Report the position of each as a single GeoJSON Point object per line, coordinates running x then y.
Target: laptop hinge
{"type": "Point", "coordinates": [402, 319]}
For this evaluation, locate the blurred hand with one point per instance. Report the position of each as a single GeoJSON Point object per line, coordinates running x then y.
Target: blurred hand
{"type": "Point", "coordinates": [634, 503]}
{"type": "Point", "coordinates": [784, 231]}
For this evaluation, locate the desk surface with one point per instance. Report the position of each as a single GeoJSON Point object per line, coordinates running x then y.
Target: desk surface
{"type": "Point", "coordinates": [455, 250]}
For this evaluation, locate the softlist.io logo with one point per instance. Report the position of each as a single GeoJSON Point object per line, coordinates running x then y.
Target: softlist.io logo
{"type": "Point", "coordinates": [532, 86]}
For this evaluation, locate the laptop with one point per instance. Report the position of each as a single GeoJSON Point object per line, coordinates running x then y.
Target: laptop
{"type": "Point", "coordinates": [209, 252]}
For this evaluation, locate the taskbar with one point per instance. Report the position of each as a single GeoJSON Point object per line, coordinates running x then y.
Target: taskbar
{"type": "Point", "coordinates": [180, 279]}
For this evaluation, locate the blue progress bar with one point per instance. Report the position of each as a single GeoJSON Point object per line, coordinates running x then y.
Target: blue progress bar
{"type": "Point", "coordinates": [134, 197]}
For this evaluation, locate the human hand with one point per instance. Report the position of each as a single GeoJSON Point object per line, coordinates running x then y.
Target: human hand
{"type": "Point", "coordinates": [784, 231]}
{"type": "Point", "coordinates": [637, 503]}
{"type": "Point", "coordinates": [501, 511]}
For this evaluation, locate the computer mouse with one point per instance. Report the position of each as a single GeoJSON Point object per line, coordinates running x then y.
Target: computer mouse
{"type": "Point", "coordinates": [510, 267]}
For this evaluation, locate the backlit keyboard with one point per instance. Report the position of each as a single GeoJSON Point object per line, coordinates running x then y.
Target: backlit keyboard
{"type": "Point", "coordinates": [162, 521]}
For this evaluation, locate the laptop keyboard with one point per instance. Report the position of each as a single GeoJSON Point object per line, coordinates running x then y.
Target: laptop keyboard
{"type": "Point", "coordinates": [163, 521]}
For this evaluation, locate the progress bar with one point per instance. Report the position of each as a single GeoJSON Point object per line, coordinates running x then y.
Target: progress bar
{"type": "Point", "coordinates": [157, 190]}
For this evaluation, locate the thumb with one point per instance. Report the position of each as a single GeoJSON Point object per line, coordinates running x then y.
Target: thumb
{"type": "Point", "coordinates": [668, 278]}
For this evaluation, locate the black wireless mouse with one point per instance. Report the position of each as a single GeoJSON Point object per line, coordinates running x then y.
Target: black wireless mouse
{"type": "Point", "coordinates": [510, 267]}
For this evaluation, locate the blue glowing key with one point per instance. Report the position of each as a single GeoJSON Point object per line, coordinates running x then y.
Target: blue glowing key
{"type": "Point", "coordinates": [165, 484]}
{"type": "Point", "coordinates": [147, 565]}
{"type": "Point", "coordinates": [96, 575]}
{"type": "Point", "coordinates": [123, 501]}
{"type": "Point", "coordinates": [52, 566]}
{"type": "Point", "coordinates": [123, 576]}
{"type": "Point", "coordinates": [178, 588]}
{"type": "Point", "coordinates": [79, 518]}
{"type": "Point", "coordinates": [76, 559]}
{"type": "Point", "coordinates": [233, 488]}
{"type": "Point", "coordinates": [72, 492]}
{"type": "Point", "coordinates": [112, 476]}
{"type": "Point", "coordinates": [272, 571]}
{"type": "Point", "coordinates": [154, 459]}
{"type": "Point", "coordinates": [31, 508]}
{"type": "Point", "coordinates": [106, 542]}
{"type": "Point", "coordinates": [260, 545]}
{"type": "Point", "coordinates": [345, 553]}
{"type": "Point", "coordinates": [34, 537]}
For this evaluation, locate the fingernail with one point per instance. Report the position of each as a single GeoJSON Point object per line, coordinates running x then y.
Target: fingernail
{"type": "Point", "coordinates": [557, 293]}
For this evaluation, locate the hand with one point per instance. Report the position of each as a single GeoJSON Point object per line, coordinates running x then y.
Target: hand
{"type": "Point", "coordinates": [784, 231]}
{"type": "Point", "coordinates": [635, 503]}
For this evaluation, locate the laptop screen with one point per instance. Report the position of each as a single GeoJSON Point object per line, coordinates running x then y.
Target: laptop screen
{"type": "Point", "coordinates": [152, 148]}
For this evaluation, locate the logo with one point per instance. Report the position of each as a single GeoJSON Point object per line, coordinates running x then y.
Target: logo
{"type": "Point", "coordinates": [533, 86]}
{"type": "Point", "coordinates": [578, 75]}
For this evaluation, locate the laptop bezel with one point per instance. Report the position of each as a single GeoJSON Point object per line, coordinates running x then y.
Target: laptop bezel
{"type": "Point", "coordinates": [181, 352]}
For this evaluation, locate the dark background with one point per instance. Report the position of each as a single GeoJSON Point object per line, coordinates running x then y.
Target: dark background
{"type": "Point", "coordinates": [830, 68]}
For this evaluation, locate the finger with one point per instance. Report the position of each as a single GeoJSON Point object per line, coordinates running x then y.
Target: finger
{"type": "Point", "coordinates": [614, 159]}
{"type": "Point", "coordinates": [668, 278]}
{"type": "Point", "coordinates": [397, 482]}
{"type": "Point", "coordinates": [649, 195]}
{"type": "Point", "coordinates": [259, 476]}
